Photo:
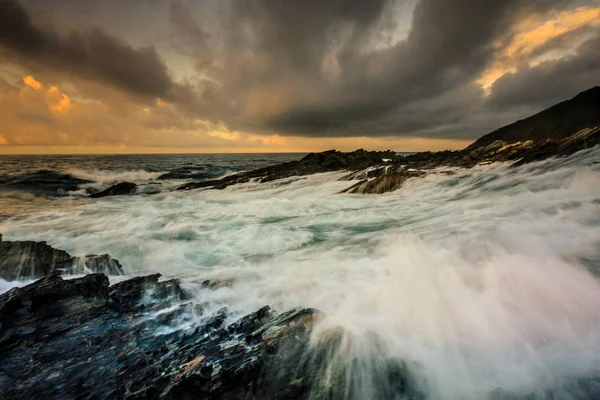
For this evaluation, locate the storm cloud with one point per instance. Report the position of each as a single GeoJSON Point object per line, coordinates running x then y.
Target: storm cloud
{"type": "Point", "coordinates": [92, 54]}
{"type": "Point", "coordinates": [318, 69]}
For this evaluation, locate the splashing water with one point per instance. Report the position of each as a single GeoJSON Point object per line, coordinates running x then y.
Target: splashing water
{"type": "Point", "coordinates": [484, 282]}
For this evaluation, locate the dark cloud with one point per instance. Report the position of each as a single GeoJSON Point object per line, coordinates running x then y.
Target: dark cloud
{"type": "Point", "coordinates": [92, 54]}
{"type": "Point", "coordinates": [332, 68]}
{"type": "Point", "coordinates": [551, 81]}
{"type": "Point", "coordinates": [311, 68]}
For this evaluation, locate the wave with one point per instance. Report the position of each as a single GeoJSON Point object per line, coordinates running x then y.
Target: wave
{"type": "Point", "coordinates": [485, 281]}
{"type": "Point", "coordinates": [107, 177]}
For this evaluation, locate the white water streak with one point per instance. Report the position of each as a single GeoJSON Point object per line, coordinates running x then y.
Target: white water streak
{"type": "Point", "coordinates": [481, 278]}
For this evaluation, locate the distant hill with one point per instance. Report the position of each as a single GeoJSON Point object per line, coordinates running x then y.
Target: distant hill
{"type": "Point", "coordinates": [553, 124]}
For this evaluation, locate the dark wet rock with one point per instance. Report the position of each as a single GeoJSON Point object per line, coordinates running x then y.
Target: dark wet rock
{"type": "Point", "coordinates": [382, 184]}
{"type": "Point", "coordinates": [63, 339]}
{"type": "Point", "coordinates": [201, 172]}
{"type": "Point", "coordinates": [52, 305]}
{"type": "Point", "coordinates": [313, 163]}
{"type": "Point", "coordinates": [103, 263]}
{"type": "Point", "coordinates": [27, 260]}
{"type": "Point", "coordinates": [584, 139]}
{"type": "Point", "coordinates": [44, 183]}
{"type": "Point", "coordinates": [120, 189]}
{"type": "Point", "coordinates": [126, 296]}
{"type": "Point", "coordinates": [217, 284]}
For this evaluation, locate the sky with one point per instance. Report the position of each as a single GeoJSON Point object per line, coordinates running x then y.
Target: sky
{"type": "Point", "coordinates": [181, 76]}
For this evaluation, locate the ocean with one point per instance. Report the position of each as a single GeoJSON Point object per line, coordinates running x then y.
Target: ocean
{"type": "Point", "coordinates": [484, 280]}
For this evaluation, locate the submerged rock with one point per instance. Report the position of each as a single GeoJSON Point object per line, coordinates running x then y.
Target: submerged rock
{"type": "Point", "coordinates": [44, 183]}
{"type": "Point", "coordinates": [200, 172]}
{"type": "Point", "coordinates": [120, 189]}
{"type": "Point", "coordinates": [27, 260]}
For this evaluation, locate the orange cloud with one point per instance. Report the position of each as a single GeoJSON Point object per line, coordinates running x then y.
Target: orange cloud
{"type": "Point", "coordinates": [531, 33]}
{"type": "Point", "coordinates": [31, 82]}
{"type": "Point", "coordinates": [98, 120]}
{"type": "Point", "coordinates": [59, 102]}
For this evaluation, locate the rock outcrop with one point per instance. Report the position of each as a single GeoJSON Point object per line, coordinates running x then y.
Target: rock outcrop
{"type": "Point", "coordinates": [43, 183]}
{"type": "Point", "coordinates": [80, 338]}
{"type": "Point", "coordinates": [120, 189]}
{"type": "Point", "coordinates": [29, 260]}
{"type": "Point", "coordinates": [313, 163]}
{"type": "Point", "coordinates": [553, 124]}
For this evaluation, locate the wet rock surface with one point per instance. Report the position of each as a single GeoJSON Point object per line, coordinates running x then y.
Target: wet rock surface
{"type": "Point", "coordinates": [81, 338]}
{"type": "Point", "coordinates": [43, 183]}
{"type": "Point", "coordinates": [120, 189]}
{"type": "Point", "coordinates": [197, 172]}
{"type": "Point", "coordinates": [28, 260]}
{"type": "Point", "coordinates": [313, 163]}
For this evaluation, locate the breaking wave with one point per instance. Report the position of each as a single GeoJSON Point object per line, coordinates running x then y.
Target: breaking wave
{"type": "Point", "coordinates": [484, 282]}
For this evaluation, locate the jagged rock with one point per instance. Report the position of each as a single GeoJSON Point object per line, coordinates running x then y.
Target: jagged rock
{"type": "Point", "coordinates": [385, 183]}
{"type": "Point", "coordinates": [126, 296]}
{"type": "Point", "coordinates": [312, 163]}
{"type": "Point", "coordinates": [47, 307]}
{"type": "Point", "coordinates": [27, 260]}
{"type": "Point", "coordinates": [103, 263]}
{"type": "Point", "coordinates": [205, 171]}
{"type": "Point", "coordinates": [217, 284]}
{"type": "Point", "coordinates": [83, 339]}
{"type": "Point", "coordinates": [120, 189]}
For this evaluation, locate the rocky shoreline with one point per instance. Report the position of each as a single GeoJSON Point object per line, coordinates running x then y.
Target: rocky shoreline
{"type": "Point", "coordinates": [144, 338]}
{"type": "Point", "coordinates": [30, 260]}
{"type": "Point", "coordinates": [381, 172]}
{"type": "Point", "coordinates": [558, 131]}
{"type": "Point", "coordinates": [84, 338]}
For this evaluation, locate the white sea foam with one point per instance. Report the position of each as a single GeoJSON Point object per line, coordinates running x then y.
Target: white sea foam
{"type": "Point", "coordinates": [484, 280]}
{"type": "Point", "coordinates": [107, 177]}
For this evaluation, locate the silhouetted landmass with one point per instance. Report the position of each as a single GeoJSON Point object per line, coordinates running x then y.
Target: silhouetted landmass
{"type": "Point", "coordinates": [552, 124]}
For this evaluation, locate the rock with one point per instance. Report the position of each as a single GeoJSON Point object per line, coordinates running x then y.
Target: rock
{"type": "Point", "coordinates": [44, 182]}
{"type": "Point", "coordinates": [200, 172]}
{"type": "Point", "coordinates": [218, 284]}
{"type": "Point", "coordinates": [27, 260]}
{"type": "Point", "coordinates": [313, 163]}
{"type": "Point", "coordinates": [120, 189]}
{"type": "Point", "coordinates": [48, 307]}
{"type": "Point", "coordinates": [126, 296]}
{"type": "Point", "coordinates": [385, 183]}
{"type": "Point", "coordinates": [92, 263]}
{"type": "Point", "coordinates": [83, 339]}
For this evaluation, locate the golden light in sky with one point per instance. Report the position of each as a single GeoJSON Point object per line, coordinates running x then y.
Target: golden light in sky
{"type": "Point", "coordinates": [409, 78]}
